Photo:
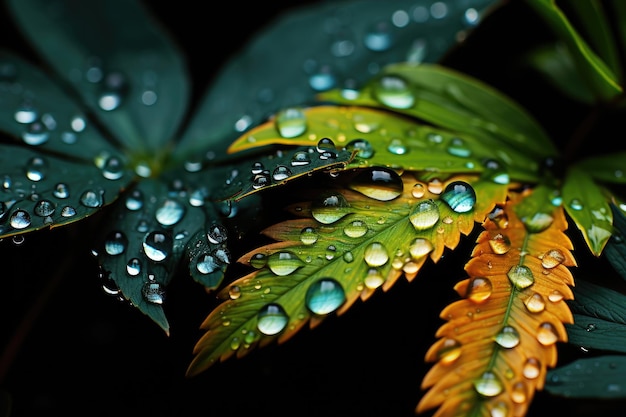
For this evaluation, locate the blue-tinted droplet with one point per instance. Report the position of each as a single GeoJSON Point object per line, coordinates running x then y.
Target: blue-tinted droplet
{"type": "Point", "coordinates": [272, 319]}
{"type": "Point", "coordinates": [460, 196]}
{"type": "Point", "coordinates": [325, 296]}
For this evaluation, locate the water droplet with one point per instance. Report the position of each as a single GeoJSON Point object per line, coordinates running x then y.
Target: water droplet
{"type": "Point", "coordinates": [326, 146]}
{"type": "Point", "coordinates": [170, 213]}
{"type": "Point", "coordinates": [157, 246]}
{"type": "Point", "coordinates": [457, 147]}
{"type": "Point", "coordinates": [308, 235]}
{"type": "Point", "coordinates": [496, 172]}
{"type": "Point", "coordinates": [576, 204]}
{"type": "Point", "coordinates": [532, 368]}
{"type": "Point", "coordinates": [300, 158]}
{"type": "Point", "coordinates": [272, 319]}
{"type": "Point", "coordinates": [325, 296]}
{"type": "Point", "coordinates": [449, 351]}
{"type": "Point", "coordinates": [234, 292]}
{"type": "Point", "coordinates": [500, 244]}
{"type": "Point", "coordinates": [460, 196]}
{"type": "Point", "coordinates": [26, 114]}
{"type": "Point", "coordinates": [281, 173]}
{"type": "Point", "coordinates": [521, 276]}
{"type": "Point", "coordinates": [424, 215]}
{"type": "Point", "coordinates": [394, 91]}
{"type": "Point", "coordinates": [362, 147]}
{"type": "Point", "coordinates": [36, 168]}
{"type": "Point", "coordinates": [555, 296]}
{"type": "Point", "coordinates": [518, 393]}
{"type": "Point", "coordinates": [373, 279]}
{"type": "Point", "coordinates": [435, 186]}
{"type": "Point", "coordinates": [113, 168]}
{"type": "Point", "coordinates": [206, 264]}
{"type": "Point", "coordinates": [379, 183]}
{"type": "Point", "coordinates": [348, 257]}
{"type": "Point", "coordinates": [397, 147]}
{"type": "Point", "coordinates": [538, 222]}
{"type": "Point", "coordinates": [479, 289]}
{"type": "Point", "coordinates": [91, 199]}
{"type": "Point", "coordinates": [499, 217]}
{"type": "Point", "coordinates": [375, 254]}
{"type": "Point", "coordinates": [36, 133]}
{"type": "Point", "coordinates": [418, 190]}
{"type": "Point", "coordinates": [535, 303]}
{"type": "Point", "coordinates": [20, 219]}
{"type": "Point", "coordinates": [330, 207]}
{"type": "Point", "coordinates": [355, 229]}
{"type": "Point", "coordinates": [68, 211]}
{"type": "Point", "coordinates": [552, 258]}
{"type": "Point", "coordinates": [488, 385]}
{"type": "Point", "coordinates": [284, 263]}
{"type": "Point", "coordinates": [61, 191]}
{"type": "Point", "coordinates": [546, 334]}
{"type": "Point", "coordinates": [115, 243]}
{"type": "Point", "coordinates": [508, 337]}
{"type": "Point", "coordinates": [114, 90]}
{"type": "Point", "coordinates": [44, 208]}
{"type": "Point", "coordinates": [330, 252]}
{"type": "Point", "coordinates": [134, 200]}
{"type": "Point", "coordinates": [133, 267]}
{"type": "Point", "coordinates": [217, 233]}
{"type": "Point", "coordinates": [420, 247]}
{"type": "Point", "coordinates": [258, 260]}
{"type": "Point", "coordinates": [291, 122]}
{"type": "Point", "coordinates": [153, 292]}
{"type": "Point", "coordinates": [378, 37]}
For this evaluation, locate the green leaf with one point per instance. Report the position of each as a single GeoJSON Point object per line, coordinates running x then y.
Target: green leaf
{"type": "Point", "coordinates": [600, 377]}
{"type": "Point", "coordinates": [108, 51]}
{"type": "Point", "coordinates": [615, 250]}
{"type": "Point", "coordinates": [457, 102]}
{"type": "Point", "coordinates": [555, 64]}
{"type": "Point", "coordinates": [599, 77]}
{"type": "Point", "coordinates": [36, 112]}
{"type": "Point", "coordinates": [606, 168]}
{"type": "Point", "coordinates": [46, 191]}
{"type": "Point", "coordinates": [587, 205]}
{"type": "Point", "coordinates": [313, 48]}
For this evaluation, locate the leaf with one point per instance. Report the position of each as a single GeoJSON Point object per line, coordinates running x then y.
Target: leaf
{"type": "Point", "coordinates": [46, 191]}
{"type": "Point", "coordinates": [599, 318]}
{"type": "Point", "coordinates": [147, 237]}
{"type": "Point", "coordinates": [123, 67]}
{"type": "Point", "coordinates": [598, 378]}
{"type": "Point", "coordinates": [460, 104]}
{"type": "Point", "coordinates": [615, 250]}
{"type": "Point", "coordinates": [498, 340]}
{"type": "Point", "coordinates": [312, 48]}
{"type": "Point", "coordinates": [348, 241]}
{"type": "Point", "coordinates": [587, 206]}
{"type": "Point", "coordinates": [605, 168]}
{"type": "Point", "coordinates": [600, 78]}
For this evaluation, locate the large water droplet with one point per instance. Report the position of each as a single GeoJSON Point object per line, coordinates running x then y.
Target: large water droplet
{"type": "Point", "coordinates": [375, 254]}
{"type": "Point", "coordinates": [424, 215]}
{"type": "Point", "coordinates": [521, 276]}
{"type": "Point", "coordinates": [488, 385]}
{"type": "Point", "coordinates": [170, 212]}
{"type": "Point", "coordinates": [394, 91]}
{"type": "Point", "coordinates": [535, 303]}
{"type": "Point", "coordinates": [115, 243]}
{"type": "Point", "coordinates": [479, 289]}
{"type": "Point", "coordinates": [20, 219]}
{"type": "Point", "coordinates": [500, 244]}
{"type": "Point", "coordinates": [284, 263]}
{"type": "Point", "coordinates": [552, 258]}
{"type": "Point", "coordinates": [460, 196]}
{"type": "Point", "coordinates": [330, 207]}
{"type": "Point", "coordinates": [157, 246]}
{"type": "Point", "coordinates": [379, 183]}
{"type": "Point", "coordinates": [508, 337]}
{"type": "Point", "coordinates": [291, 122]}
{"type": "Point", "coordinates": [272, 319]}
{"type": "Point", "coordinates": [546, 334]}
{"type": "Point", "coordinates": [325, 296]}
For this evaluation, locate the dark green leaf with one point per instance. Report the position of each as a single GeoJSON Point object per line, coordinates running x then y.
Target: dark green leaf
{"type": "Point", "coordinates": [615, 250]}
{"type": "Point", "coordinates": [606, 168]}
{"type": "Point", "coordinates": [317, 47]}
{"type": "Point", "coordinates": [601, 377]}
{"type": "Point", "coordinates": [44, 191]}
{"type": "Point", "coordinates": [110, 50]}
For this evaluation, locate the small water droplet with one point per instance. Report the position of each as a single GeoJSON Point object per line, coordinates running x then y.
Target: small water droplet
{"type": "Point", "coordinates": [281, 173]}
{"type": "Point", "coordinates": [552, 258]}
{"type": "Point", "coordinates": [36, 133]}
{"type": "Point", "coordinates": [325, 296]}
{"type": "Point", "coordinates": [114, 90]}
{"type": "Point", "coordinates": [323, 79]}
{"type": "Point", "coordinates": [576, 204]}
{"type": "Point", "coordinates": [521, 276]}
{"type": "Point", "coordinates": [535, 303]}
{"type": "Point", "coordinates": [291, 122]}
{"type": "Point", "coordinates": [373, 279]}
{"type": "Point", "coordinates": [300, 158]}
{"type": "Point", "coordinates": [479, 289]}
{"type": "Point", "coordinates": [134, 200]}
{"type": "Point", "coordinates": [418, 190]}
{"type": "Point", "coordinates": [206, 264]}
{"type": "Point", "coordinates": [546, 334]}
{"type": "Point", "coordinates": [508, 337]}
{"type": "Point", "coordinates": [91, 199]}
{"type": "Point", "coordinates": [44, 208]}
{"type": "Point", "coordinates": [36, 168]}
{"type": "Point", "coordinates": [538, 222]}
{"type": "Point", "coordinates": [424, 215]}
{"type": "Point", "coordinates": [378, 37]}
{"type": "Point", "coordinates": [394, 91]}
{"type": "Point", "coordinates": [449, 350]}
{"type": "Point", "coordinates": [272, 319]}
{"type": "Point", "coordinates": [308, 235]}
{"type": "Point", "coordinates": [420, 247]}
{"type": "Point", "coordinates": [153, 292]}
{"type": "Point", "coordinates": [362, 147]}
{"type": "Point", "coordinates": [115, 243]}
{"type": "Point", "coordinates": [258, 260]}
{"type": "Point", "coordinates": [113, 168]}
{"type": "Point", "coordinates": [460, 196]}
{"type": "Point", "coordinates": [284, 263]}
{"type": "Point", "coordinates": [500, 244]}
{"type": "Point", "coordinates": [68, 211]}
{"type": "Point", "coordinates": [397, 146]}
{"type": "Point", "coordinates": [234, 292]}
{"type": "Point", "coordinates": [20, 219]}
{"type": "Point", "coordinates": [355, 229]}
{"type": "Point", "coordinates": [217, 233]}
{"type": "Point", "coordinates": [133, 267]}
{"type": "Point", "coordinates": [379, 183]}
{"type": "Point", "coordinates": [457, 147]}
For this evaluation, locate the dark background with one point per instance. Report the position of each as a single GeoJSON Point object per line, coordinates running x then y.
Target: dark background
{"type": "Point", "coordinates": [81, 352]}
